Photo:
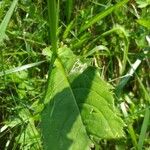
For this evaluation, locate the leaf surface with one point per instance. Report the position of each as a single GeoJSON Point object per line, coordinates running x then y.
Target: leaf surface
{"type": "Point", "coordinates": [62, 124]}
{"type": "Point", "coordinates": [144, 22]}
{"type": "Point", "coordinates": [96, 103]}
{"type": "Point", "coordinates": [77, 107]}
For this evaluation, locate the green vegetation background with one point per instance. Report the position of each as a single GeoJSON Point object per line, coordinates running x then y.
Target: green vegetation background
{"type": "Point", "coordinates": [116, 41]}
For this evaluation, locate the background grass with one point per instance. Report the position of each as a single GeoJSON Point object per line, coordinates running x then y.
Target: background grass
{"type": "Point", "coordinates": [114, 37]}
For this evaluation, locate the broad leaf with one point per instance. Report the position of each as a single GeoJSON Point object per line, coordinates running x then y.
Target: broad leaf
{"type": "Point", "coordinates": [96, 104]}
{"type": "Point", "coordinates": [62, 125]}
{"type": "Point", "coordinates": [78, 107]}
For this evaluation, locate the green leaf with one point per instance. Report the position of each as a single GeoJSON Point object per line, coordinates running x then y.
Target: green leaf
{"type": "Point", "coordinates": [143, 3]}
{"type": "Point", "coordinates": [69, 7]}
{"type": "Point", "coordinates": [102, 15]}
{"type": "Point", "coordinates": [67, 56]}
{"type": "Point", "coordinates": [6, 20]}
{"type": "Point", "coordinates": [96, 104]}
{"type": "Point", "coordinates": [144, 22]}
{"type": "Point", "coordinates": [78, 107]}
{"type": "Point", "coordinates": [17, 69]}
{"type": "Point", "coordinates": [144, 129]}
{"type": "Point", "coordinates": [62, 124]}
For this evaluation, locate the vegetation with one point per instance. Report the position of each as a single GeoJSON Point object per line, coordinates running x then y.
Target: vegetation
{"type": "Point", "coordinates": [74, 75]}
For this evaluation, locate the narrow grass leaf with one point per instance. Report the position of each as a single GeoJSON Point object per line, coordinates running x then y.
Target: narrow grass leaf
{"type": "Point", "coordinates": [6, 20]}
{"type": "Point", "coordinates": [21, 68]}
{"type": "Point", "coordinates": [126, 78]}
{"type": "Point", "coordinates": [120, 30]}
{"type": "Point", "coordinates": [96, 49]}
{"type": "Point", "coordinates": [101, 15]}
{"type": "Point", "coordinates": [144, 129]}
{"type": "Point", "coordinates": [68, 29]}
{"type": "Point", "coordinates": [69, 7]}
{"type": "Point", "coordinates": [53, 22]}
{"type": "Point", "coordinates": [145, 92]}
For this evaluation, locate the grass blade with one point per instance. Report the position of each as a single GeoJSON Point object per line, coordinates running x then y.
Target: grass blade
{"type": "Point", "coordinates": [10, 71]}
{"type": "Point", "coordinates": [126, 78]}
{"type": "Point", "coordinates": [69, 7]}
{"type": "Point", "coordinates": [144, 129]}
{"type": "Point", "coordinates": [121, 30]}
{"type": "Point", "coordinates": [53, 22]}
{"type": "Point", "coordinates": [6, 20]}
{"type": "Point", "coordinates": [102, 15]}
{"type": "Point", "coordinates": [68, 29]}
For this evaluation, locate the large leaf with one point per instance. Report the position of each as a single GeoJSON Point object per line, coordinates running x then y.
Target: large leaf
{"type": "Point", "coordinates": [78, 107]}
{"type": "Point", "coordinates": [96, 104]}
{"type": "Point", "coordinates": [62, 124]}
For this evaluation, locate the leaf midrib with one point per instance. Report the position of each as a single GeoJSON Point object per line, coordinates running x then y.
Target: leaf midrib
{"type": "Point", "coordinates": [60, 66]}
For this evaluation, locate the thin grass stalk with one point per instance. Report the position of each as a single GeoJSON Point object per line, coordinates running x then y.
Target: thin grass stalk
{"type": "Point", "coordinates": [102, 15]}
{"type": "Point", "coordinates": [144, 129]}
{"type": "Point", "coordinates": [69, 7]}
{"type": "Point", "coordinates": [53, 23]}
{"type": "Point", "coordinates": [53, 16]}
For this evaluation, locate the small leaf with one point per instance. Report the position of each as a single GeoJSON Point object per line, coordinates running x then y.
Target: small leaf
{"type": "Point", "coordinates": [144, 22]}
{"type": "Point", "coordinates": [143, 3]}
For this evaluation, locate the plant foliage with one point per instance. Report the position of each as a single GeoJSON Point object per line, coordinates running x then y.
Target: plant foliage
{"type": "Point", "coordinates": [74, 74]}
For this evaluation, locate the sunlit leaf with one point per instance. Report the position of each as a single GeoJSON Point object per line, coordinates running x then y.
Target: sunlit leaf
{"type": "Point", "coordinates": [78, 107]}
{"type": "Point", "coordinates": [144, 22]}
